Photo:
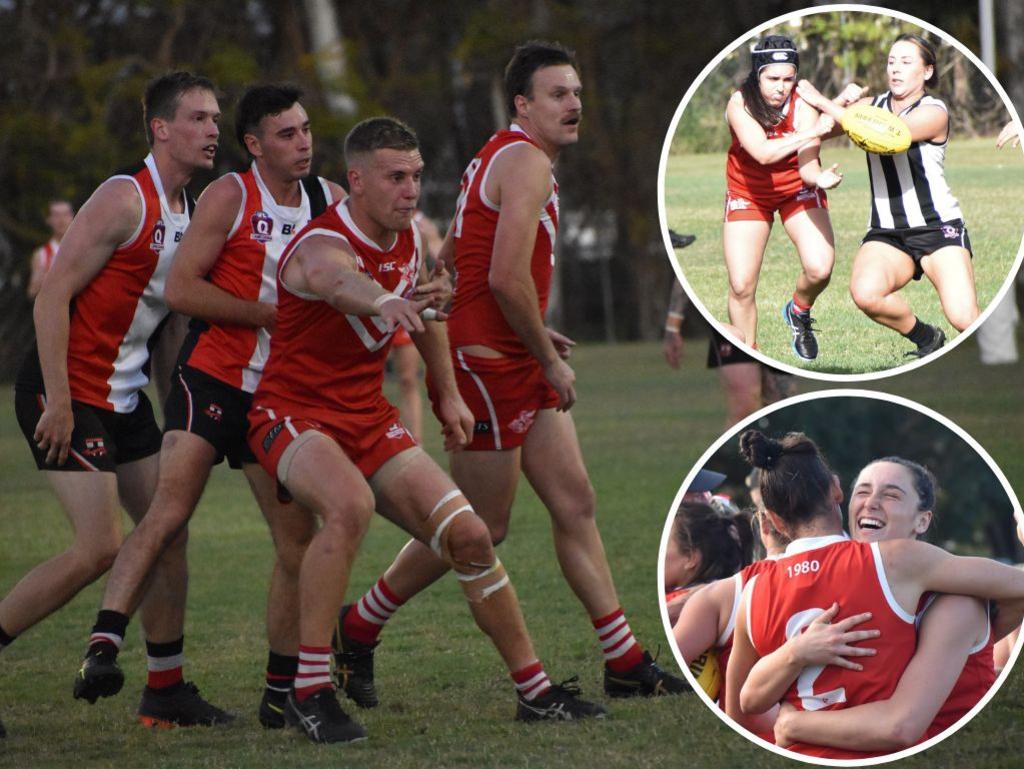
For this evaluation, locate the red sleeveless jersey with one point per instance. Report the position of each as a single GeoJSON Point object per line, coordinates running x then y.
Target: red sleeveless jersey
{"type": "Point", "coordinates": [320, 359]}
{"type": "Point", "coordinates": [116, 314]}
{"type": "Point", "coordinates": [47, 252]}
{"type": "Point", "coordinates": [802, 584]}
{"type": "Point", "coordinates": [724, 643]}
{"type": "Point", "coordinates": [975, 680]}
{"type": "Point", "coordinates": [746, 178]}
{"type": "Point", "coordinates": [475, 316]}
{"type": "Point", "coordinates": [247, 268]}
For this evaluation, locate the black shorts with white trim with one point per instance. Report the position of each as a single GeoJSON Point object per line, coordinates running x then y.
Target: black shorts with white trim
{"type": "Point", "coordinates": [919, 242]}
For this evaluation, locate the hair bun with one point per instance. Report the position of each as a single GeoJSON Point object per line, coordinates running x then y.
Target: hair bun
{"type": "Point", "coordinates": [760, 450]}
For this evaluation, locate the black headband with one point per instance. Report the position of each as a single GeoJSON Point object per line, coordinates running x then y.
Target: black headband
{"type": "Point", "coordinates": [762, 58]}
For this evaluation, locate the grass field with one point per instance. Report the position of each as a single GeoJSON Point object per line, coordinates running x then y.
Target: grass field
{"type": "Point", "coordinates": [446, 700]}
{"type": "Point", "coordinates": [986, 181]}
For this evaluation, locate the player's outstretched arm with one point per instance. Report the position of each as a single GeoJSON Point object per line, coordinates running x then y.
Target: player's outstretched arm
{"type": "Point", "coordinates": [950, 628]}
{"type": "Point", "coordinates": [112, 216]}
{"type": "Point", "coordinates": [824, 642]}
{"type": "Point", "coordinates": [188, 291]}
{"type": "Point", "coordinates": [921, 567]}
{"type": "Point", "coordinates": [522, 175]}
{"type": "Point", "coordinates": [324, 265]}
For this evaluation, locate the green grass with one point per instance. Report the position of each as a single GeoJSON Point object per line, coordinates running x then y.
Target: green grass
{"type": "Point", "coordinates": [446, 700]}
{"type": "Point", "coordinates": [985, 180]}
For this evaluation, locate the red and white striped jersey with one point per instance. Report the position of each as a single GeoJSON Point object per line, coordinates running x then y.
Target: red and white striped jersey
{"type": "Point", "coordinates": [247, 268]}
{"type": "Point", "coordinates": [116, 314]}
{"type": "Point", "coordinates": [475, 316]}
{"type": "Point", "coordinates": [786, 597]}
{"type": "Point", "coordinates": [322, 360]}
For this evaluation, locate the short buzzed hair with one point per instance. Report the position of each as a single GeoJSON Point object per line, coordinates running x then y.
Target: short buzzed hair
{"type": "Point", "coordinates": [163, 95]}
{"type": "Point", "coordinates": [258, 102]}
{"type": "Point", "coordinates": [379, 133]}
{"type": "Point", "coordinates": [527, 59]}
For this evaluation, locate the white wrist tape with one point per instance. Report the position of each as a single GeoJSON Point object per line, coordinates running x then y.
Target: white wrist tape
{"type": "Point", "coordinates": [380, 300]}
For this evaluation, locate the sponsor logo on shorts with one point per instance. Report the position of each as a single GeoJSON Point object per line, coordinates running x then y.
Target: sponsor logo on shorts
{"type": "Point", "coordinates": [214, 412]}
{"type": "Point", "coordinates": [482, 428]}
{"type": "Point", "coordinates": [272, 433]}
{"type": "Point", "coordinates": [94, 447]}
{"type": "Point", "coordinates": [523, 421]}
{"type": "Point", "coordinates": [738, 204]}
{"type": "Point", "coordinates": [396, 431]}
{"type": "Point", "coordinates": [262, 227]}
{"type": "Point", "coordinates": [950, 232]}
{"type": "Point", "coordinates": [156, 242]}
{"type": "Point", "coordinates": [806, 194]}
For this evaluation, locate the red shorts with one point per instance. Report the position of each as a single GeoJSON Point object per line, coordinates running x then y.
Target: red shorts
{"type": "Point", "coordinates": [401, 337]}
{"type": "Point", "coordinates": [739, 208]}
{"type": "Point", "coordinates": [369, 440]}
{"type": "Point", "coordinates": [504, 395]}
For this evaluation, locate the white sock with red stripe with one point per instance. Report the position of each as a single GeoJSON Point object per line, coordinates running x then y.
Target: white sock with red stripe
{"type": "Point", "coordinates": [314, 671]}
{"type": "Point", "coordinates": [531, 681]}
{"type": "Point", "coordinates": [621, 650]}
{"type": "Point", "coordinates": [364, 621]}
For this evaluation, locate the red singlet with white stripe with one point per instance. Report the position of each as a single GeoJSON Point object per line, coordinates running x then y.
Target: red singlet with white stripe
{"type": "Point", "coordinates": [724, 643]}
{"type": "Point", "coordinates": [324, 362]}
{"type": "Point", "coordinates": [803, 583]}
{"type": "Point", "coordinates": [47, 252]}
{"type": "Point", "coordinates": [247, 268]}
{"type": "Point", "coordinates": [475, 316]}
{"type": "Point", "coordinates": [746, 178]}
{"type": "Point", "coordinates": [116, 314]}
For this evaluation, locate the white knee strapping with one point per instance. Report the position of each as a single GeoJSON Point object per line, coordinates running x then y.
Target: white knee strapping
{"type": "Point", "coordinates": [479, 587]}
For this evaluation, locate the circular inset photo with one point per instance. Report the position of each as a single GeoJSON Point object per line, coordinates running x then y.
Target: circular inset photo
{"type": "Point", "coordinates": [836, 577]}
{"type": "Point", "coordinates": [839, 191]}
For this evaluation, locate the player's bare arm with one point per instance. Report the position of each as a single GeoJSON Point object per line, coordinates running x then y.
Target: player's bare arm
{"type": "Point", "coordinates": [742, 659]}
{"type": "Point", "coordinates": [809, 156]}
{"type": "Point", "coordinates": [915, 567]}
{"type": "Point", "coordinates": [755, 141]}
{"type": "Point", "coordinates": [456, 418]}
{"type": "Point", "coordinates": [949, 629]}
{"type": "Point", "coordinates": [323, 265]}
{"type": "Point", "coordinates": [110, 217]}
{"type": "Point", "coordinates": [521, 180]}
{"type": "Point", "coordinates": [188, 291]}
{"type": "Point", "coordinates": [697, 628]}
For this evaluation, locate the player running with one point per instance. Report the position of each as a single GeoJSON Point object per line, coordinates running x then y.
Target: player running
{"type": "Point", "coordinates": [79, 400]}
{"type": "Point", "coordinates": [321, 425]}
{"type": "Point", "coordinates": [773, 166]}
{"type": "Point", "coordinates": [224, 275]}
{"type": "Point", "coordinates": [917, 227]}
{"type": "Point", "coordinates": [511, 372]}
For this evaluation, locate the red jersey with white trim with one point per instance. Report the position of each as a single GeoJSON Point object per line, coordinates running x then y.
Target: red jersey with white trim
{"type": "Point", "coordinates": [47, 252]}
{"type": "Point", "coordinates": [746, 178]}
{"type": "Point", "coordinates": [724, 644]}
{"type": "Point", "coordinates": [475, 317]}
{"type": "Point", "coordinates": [247, 268]}
{"type": "Point", "coordinates": [803, 583]}
{"type": "Point", "coordinates": [320, 359]}
{"type": "Point", "coordinates": [975, 680]}
{"type": "Point", "coordinates": [116, 314]}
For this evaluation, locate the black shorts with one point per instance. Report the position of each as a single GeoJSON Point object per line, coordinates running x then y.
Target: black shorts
{"type": "Point", "coordinates": [722, 352]}
{"type": "Point", "coordinates": [214, 410]}
{"type": "Point", "coordinates": [101, 440]}
{"type": "Point", "coordinates": [919, 242]}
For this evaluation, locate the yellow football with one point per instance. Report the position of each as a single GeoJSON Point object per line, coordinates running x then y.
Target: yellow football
{"type": "Point", "coordinates": [876, 130]}
{"type": "Point", "coordinates": [706, 670]}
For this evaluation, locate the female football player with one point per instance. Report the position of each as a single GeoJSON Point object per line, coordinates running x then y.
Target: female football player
{"type": "Point", "coordinates": [917, 227]}
{"type": "Point", "coordinates": [822, 567]}
{"type": "Point", "coordinates": [773, 166]}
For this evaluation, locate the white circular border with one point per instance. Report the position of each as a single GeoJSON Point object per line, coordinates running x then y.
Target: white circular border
{"type": "Point", "coordinates": [666, 533]}
{"type": "Point", "coordinates": [663, 217]}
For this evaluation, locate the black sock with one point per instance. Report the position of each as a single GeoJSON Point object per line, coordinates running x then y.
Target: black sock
{"type": "Point", "coordinates": [921, 334]}
{"type": "Point", "coordinates": [109, 630]}
{"type": "Point", "coordinates": [281, 670]}
{"type": "Point", "coordinates": [5, 638]}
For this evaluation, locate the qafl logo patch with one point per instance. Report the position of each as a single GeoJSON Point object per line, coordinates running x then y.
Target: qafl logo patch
{"type": "Point", "coordinates": [262, 226]}
{"type": "Point", "coordinates": [156, 241]}
{"type": "Point", "coordinates": [523, 422]}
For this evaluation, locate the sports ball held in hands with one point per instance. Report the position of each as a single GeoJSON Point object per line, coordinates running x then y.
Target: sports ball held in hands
{"type": "Point", "coordinates": [876, 130]}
